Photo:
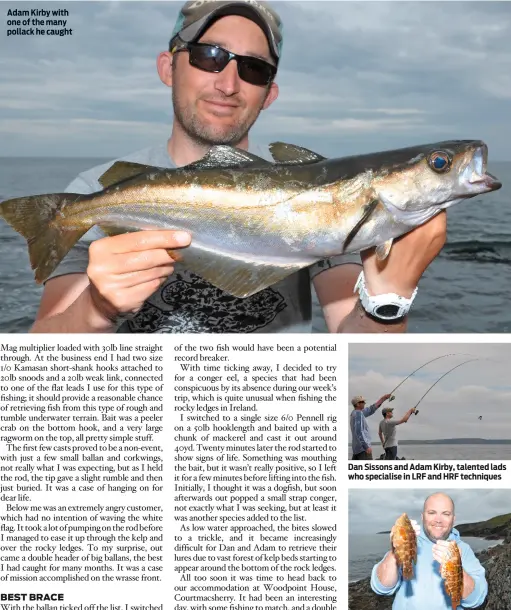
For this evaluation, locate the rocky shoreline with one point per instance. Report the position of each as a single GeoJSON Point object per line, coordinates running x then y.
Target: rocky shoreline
{"type": "Point", "coordinates": [496, 561]}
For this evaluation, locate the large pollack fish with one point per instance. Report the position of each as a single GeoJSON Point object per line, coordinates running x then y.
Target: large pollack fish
{"type": "Point", "coordinates": [254, 222]}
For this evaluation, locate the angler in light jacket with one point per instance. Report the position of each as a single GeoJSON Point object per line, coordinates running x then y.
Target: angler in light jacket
{"type": "Point", "coordinates": [426, 588]}
{"type": "Point", "coordinates": [361, 439]}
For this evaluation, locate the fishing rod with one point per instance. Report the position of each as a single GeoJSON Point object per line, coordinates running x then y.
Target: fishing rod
{"type": "Point", "coordinates": [440, 379]}
{"type": "Point", "coordinates": [422, 366]}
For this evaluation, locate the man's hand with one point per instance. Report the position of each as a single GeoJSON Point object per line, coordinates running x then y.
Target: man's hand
{"type": "Point", "coordinates": [369, 451]}
{"type": "Point", "coordinates": [409, 257]}
{"type": "Point", "coordinates": [382, 399]}
{"type": "Point", "coordinates": [124, 270]}
{"type": "Point", "coordinates": [441, 551]}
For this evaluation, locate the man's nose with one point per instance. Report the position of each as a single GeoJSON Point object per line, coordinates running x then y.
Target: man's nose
{"type": "Point", "coordinates": [228, 81]}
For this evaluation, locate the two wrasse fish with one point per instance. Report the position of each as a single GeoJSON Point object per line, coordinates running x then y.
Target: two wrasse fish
{"type": "Point", "coordinates": [404, 543]}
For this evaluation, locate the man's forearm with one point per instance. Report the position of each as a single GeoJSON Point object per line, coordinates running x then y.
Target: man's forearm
{"type": "Point", "coordinates": [380, 401]}
{"type": "Point", "coordinates": [80, 317]}
{"type": "Point", "coordinates": [407, 416]}
{"type": "Point", "coordinates": [388, 572]}
{"type": "Point", "coordinates": [359, 322]}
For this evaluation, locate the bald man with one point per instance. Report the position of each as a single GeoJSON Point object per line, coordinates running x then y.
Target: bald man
{"type": "Point", "coordinates": [426, 588]}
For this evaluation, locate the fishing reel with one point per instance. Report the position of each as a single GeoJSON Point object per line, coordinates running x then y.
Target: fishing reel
{"type": "Point", "coordinates": [392, 398]}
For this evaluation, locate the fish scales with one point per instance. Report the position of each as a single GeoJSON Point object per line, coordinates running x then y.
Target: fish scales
{"type": "Point", "coordinates": [253, 222]}
{"type": "Point", "coordinates": [176, 189]}
{"type": "Point", "coordinates": [404, 542]}
{"type": "Point", "coordinates": [280, 220]}
{"type": "Point", "coordinates": [452, 573]}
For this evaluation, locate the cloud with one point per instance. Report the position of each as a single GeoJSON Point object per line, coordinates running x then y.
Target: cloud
{"type": "Point", "coordinates": [355, 77]}
{"type": "Point", "coordinates": [452, 407]}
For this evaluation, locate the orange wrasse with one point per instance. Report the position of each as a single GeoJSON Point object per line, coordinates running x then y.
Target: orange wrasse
{"type": "Point", "coordinates": [253, 222]}
{"type": "Point", "coordinates": [404, 542]}
{"type": "Point", "coordinates": [452, 573]}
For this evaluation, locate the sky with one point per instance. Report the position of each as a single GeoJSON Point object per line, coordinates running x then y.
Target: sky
{"type": "Point", "coordinates": [355, 77]}
{"type": "Point", "coordinates": [470, 505]}
{"type": "Point", "coordinates": [452, 407]}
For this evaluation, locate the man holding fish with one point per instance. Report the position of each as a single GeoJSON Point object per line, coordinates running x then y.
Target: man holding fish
{"type": "Point", "coordinates": [432, 568]}
{"type": "Point", "coordinates": [221, 66]}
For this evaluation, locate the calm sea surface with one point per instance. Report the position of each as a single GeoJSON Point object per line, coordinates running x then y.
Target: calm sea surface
{"type": "Point", "coordinates": [466, 289]}
{"type": "Point", "coordinates": [447, 452]}
{"type": "Point", "coordinates": [366, 550]}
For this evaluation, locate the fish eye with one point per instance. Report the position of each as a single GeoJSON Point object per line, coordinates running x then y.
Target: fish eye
{"type": "Point", "coordinates": [439, 161]}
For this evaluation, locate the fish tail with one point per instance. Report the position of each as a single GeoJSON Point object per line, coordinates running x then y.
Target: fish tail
{"type": "Point", "coordinates": [39, 220]}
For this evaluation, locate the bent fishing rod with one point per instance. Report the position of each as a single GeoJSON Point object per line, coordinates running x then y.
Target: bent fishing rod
{"type": "Point", "coordinates": [440, 379]}
{"type": "Point", "coordinates": [422, 366]}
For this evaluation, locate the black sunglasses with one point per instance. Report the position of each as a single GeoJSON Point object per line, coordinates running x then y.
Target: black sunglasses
{"type": "Point", "coordinates": [212, 58]}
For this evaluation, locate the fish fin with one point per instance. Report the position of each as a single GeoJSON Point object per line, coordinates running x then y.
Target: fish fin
{"type": "Point", "coordinates": [217, 156]}
{"type": "Point", "coordinates": [240, 278]}
{"type": "Point", "coordinates": [367, 210]}
{"type": "Point", "coordinates": [290, 154]}
{"type": "Point", "coordinates": [226, 157]}
{"type": "Point", "coordinates": [383, 250]}
{"type": "Point", "coordinates": [122, 170]}
{"type": "Point", "coordinates": [36, 219]}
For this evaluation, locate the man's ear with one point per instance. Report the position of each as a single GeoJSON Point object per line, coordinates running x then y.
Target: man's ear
{"type": "Point", "coordinates": [164, 65]}
{"type": "Point", "coordinates": [271, 96]}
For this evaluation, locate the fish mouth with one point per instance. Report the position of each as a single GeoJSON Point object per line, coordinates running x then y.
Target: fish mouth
{"type": "Point", "coordinates": [475, 173]}
{"type": "Point", "coordinates": [487, 181]}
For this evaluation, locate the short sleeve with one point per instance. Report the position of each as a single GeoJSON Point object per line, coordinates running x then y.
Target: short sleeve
{"type": "Point", "coordinates": [334, 261]}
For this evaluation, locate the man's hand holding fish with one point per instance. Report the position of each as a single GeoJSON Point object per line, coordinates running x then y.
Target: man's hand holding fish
{"type": "Point", "coordinates": [400, 273]}
{"type": "Point", "coordinates": [410, 256]}
{"type": "Point", "coordinates": [441, 551]}
{"type": "Point", "coordinates": [124, 270]}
